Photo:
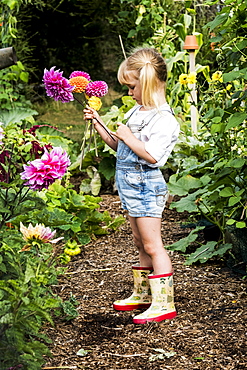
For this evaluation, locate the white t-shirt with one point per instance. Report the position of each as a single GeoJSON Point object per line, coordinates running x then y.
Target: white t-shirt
{"type": "Point", "coordinates": [158, 129]}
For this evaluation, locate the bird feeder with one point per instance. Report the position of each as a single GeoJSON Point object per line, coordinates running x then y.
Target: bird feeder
{"type": "Point", "coordinates": [190, 44]}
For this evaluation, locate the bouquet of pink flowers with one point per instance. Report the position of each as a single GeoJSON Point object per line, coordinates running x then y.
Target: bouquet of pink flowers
{"type": "Point", "coordinates": [60, 88]}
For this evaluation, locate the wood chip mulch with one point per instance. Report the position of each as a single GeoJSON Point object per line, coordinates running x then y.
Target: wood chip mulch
{"type": "Point", "coordinates": [209, 332]}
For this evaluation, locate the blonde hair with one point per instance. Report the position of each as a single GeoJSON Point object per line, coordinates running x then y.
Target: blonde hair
{"type": "Point", "coordinates": [150, 69]}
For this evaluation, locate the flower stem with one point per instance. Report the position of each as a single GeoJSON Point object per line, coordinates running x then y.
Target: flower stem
{"type": "Point", "coordinates": [95, 142]}
{"type": "Point", "coordinates": [78, 100]}
{"type": "Point", "coordinates": [83, 143]}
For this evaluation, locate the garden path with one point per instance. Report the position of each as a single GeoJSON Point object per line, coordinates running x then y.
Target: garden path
{"type": "Point", "coordinates": [209, 332]}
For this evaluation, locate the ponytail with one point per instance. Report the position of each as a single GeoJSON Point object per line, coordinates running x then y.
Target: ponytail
{"type": "Point", "coordinates": [150, 68]}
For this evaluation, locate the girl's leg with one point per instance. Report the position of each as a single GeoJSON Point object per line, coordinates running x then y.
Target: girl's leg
{"type": "Point", "coordinates": [144, 258]}
{"type": "Point", "coordinates": [147, 237]}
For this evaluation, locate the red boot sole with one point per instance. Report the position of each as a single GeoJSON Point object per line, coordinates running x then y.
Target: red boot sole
{"type": "Point", "coordinates": [166, 316]}
{"type": "Point", "coordinates": [130, 307]}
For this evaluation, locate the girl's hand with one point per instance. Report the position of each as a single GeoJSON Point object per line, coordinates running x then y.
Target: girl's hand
{"type": "Point", "coordinates": [123, 132]}
{"type": "Point", "coordinates": [90, 113]}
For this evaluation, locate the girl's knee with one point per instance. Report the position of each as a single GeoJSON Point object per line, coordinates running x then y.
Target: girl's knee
{"type": "Point", "coordinates": [152, 249]}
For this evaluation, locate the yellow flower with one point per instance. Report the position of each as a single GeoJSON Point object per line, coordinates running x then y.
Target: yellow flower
{"type": "Point", "coordinates": [217, 76]}
{"type": "Point", "coordinates": [228, 87]}
{"type": "Point", "coordinates": [183, 79]}
{"type": "Point", "coordinates": [94, 102]}
{"type": "Point", "coordinates": [191, 79]}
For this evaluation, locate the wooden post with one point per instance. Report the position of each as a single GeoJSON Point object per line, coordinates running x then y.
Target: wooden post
{"type": "Point", "coordinates": [191, 45]}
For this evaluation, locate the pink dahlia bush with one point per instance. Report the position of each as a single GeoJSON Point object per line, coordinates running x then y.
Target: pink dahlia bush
{"type": "Point", "coordinates": [42, 172]}
{"type": "Point", "coordinates": [96, 88]}
{"type": "Point", "coordinates": [57, 86]}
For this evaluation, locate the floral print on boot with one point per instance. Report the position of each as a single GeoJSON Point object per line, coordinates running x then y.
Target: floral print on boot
{"type": "Point", "coordinates": [141, 296]}
{"type": "Point", "coordinates": [162, 306]}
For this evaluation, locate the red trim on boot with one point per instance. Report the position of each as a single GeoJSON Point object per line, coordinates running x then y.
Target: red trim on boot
{"type": "Point", "coordinates": [130, 307]}
{"type": "Point", "coordinates": [160, 276]}
{"type": "Point", "coordinates": [166, 316]}
{"type": "Point", "coordinates": [142, 268]}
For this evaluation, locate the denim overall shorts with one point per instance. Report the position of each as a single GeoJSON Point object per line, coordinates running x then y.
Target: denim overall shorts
{"type": "Point", "coordinates": [142, 189]}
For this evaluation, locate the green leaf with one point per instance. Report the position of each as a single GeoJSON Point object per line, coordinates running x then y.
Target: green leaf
{"type": "Point", "coordinates": [131, 33]}
{"type": "Point", "coordinates": [182, 244]}
{"type": "Point", "coordinates": [180, 30]}
{"type": "Point", "coordinates": [235, 120]}
{"type": "Point", "coordinates": [234, 75]}
{"type": "Point", "coordinates": [187, 20]}
{"type": "Point", "coordinates": [240, 225]}
{"type": "Point", "coordinates": [83, 238]}
{"type": "Point", "coordinates": [231, 221]}
{"type": "Point", "coordinates": [96, 184]}
{"type": "Point", "coordinates": [188, 203]}
{"type": "Point", "coordinates": [29, 273]}
{"type": "Point", "coordinates": [107, 167]}
{"type": "Point", "coordinates": [222, 249]}
{"type": "Point", "coordinates": [183, 185]}
{"type": "Point", "coordinates": [114, 224]}
{"type": "Point", "coordinates": [226, 192]}
{"type": "Point", "coordinates": [202, 254]}
{"type": "Point", "coordinates": [219, 19]}
{"type": "Point", "coordinates": [217, 127]}
{"type": "Point", "coordinates": [233, 200]}
{"type": "Point", "coordinates": [237, 163]}
{"type": "Point", "coordinates": [24, 76]}
{"type": "Point", "coordinates": [16, 115]}
{"type": "Point", "coordinates": [207, 251]}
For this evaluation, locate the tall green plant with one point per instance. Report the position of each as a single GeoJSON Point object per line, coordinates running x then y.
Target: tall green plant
{"type": "Point", "coordinates": [26, 301]}
{"type": "Point", "coordinates": [215, 188]}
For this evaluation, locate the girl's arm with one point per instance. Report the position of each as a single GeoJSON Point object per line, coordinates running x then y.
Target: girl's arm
{"type": "Point", "coordinates": [90, 113]}
{"type": "Point", "coordinates": [123, 133]}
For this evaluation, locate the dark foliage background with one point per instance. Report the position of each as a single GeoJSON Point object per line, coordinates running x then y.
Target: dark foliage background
{"type": "Point", "coordinates": [81, 35]}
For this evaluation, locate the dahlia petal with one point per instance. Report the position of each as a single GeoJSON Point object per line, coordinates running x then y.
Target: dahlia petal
{"type": "Point", "coordinates": [80, 73]}
{"type": "Point", "coordinates": [57, 86]}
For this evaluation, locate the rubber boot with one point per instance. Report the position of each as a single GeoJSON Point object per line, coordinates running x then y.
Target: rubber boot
{"type": "Point", "coordinates": [162, 306]}
{"type": "Point", "coordinates": [141, 296]}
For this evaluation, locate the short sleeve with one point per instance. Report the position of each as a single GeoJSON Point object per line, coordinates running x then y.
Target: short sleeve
{"type": "Point", "coordinates": [161, 137]}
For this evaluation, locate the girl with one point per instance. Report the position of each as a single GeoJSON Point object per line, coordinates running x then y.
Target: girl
{"type": "Point", "coordinates": [143, 145]}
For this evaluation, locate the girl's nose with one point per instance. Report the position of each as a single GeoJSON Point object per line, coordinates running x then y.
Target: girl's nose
{"type": "Point", "coordinates": [130, 92]}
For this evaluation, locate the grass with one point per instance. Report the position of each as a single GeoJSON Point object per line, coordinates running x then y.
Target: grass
{"type": "Point", "coordinates": [66, 117]}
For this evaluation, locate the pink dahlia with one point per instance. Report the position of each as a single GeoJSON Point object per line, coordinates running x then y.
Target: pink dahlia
{"type": "Point", "coordinates": [42, 172]}
{"type": "Point", "coordinates": [96, 88]}
{"type": "Point", "coordinates": [80, 73]}
{"type": "Point", "coordinates": [57, 86]}
{"type": "Point", "coordinates": [38, 232]}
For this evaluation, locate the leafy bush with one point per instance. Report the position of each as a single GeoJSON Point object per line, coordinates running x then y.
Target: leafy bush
{"type": "Point", "coordinates": [213, 185]}
{"type": "Point", "coordinates": [27, 300]}
{"type": "Point", "coordinates": [29, 263]}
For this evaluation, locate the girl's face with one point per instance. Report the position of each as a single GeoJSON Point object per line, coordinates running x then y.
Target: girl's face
{"type": "Point", "coordinates": [134, 87]}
